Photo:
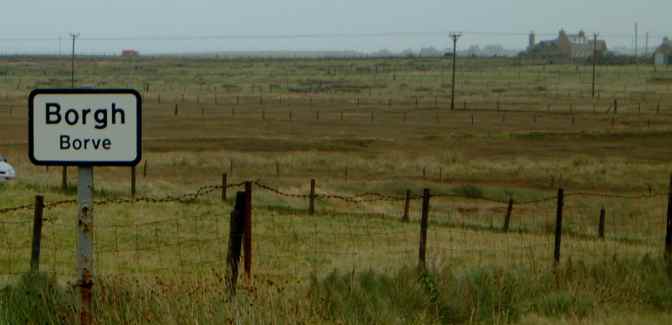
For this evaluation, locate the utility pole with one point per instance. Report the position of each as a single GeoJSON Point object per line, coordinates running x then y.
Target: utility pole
{"type": "Point", "coordinates": [594, 61]}
{"type": "Point", "coordinates": [72, 79]}
{"type": "Point", "coordinates": [64, 173]}
{"type": "Point", "coordinates": [636, 42]}
{"type": "Point", "coordinates": [455, 37]}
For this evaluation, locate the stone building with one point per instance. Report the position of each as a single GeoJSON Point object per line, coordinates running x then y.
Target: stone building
{"type": "Point", "coordinates": [129, 53]}
{"type": "Point", "coordinates": [663, 54]}
{"type": "Point", "coordinates": [565, 48]}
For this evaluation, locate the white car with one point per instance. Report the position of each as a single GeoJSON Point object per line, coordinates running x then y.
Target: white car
{"type": "Point", "coordinates": [7, 172]}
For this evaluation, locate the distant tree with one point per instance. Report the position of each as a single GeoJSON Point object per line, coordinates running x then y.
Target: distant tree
{"type": "Point", "coordinates": [493, 50]}
{"type": "Point", "coordinates": [474, 50]}
{"type": "Point", "coordinates": [408, 53]}
{"type": "Point", "coordinates": [429, 52]}
{"type": "Point", "coordinates": [384, 53]}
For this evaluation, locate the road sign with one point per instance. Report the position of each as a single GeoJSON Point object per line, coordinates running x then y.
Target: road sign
{"type": "Point", "coordinates": [85, 127]}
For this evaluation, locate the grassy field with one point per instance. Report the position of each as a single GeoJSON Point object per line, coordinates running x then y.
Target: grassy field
{"type": "Point", "coordinates": [520, 129]}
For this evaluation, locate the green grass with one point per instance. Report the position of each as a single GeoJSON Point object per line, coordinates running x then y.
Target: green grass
{"type": "Point", "coordinates": [163, 263]}
{"type": "Point", "coordinates": [573, 291]}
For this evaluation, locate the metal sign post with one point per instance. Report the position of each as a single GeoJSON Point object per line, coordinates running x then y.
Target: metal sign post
{"type": "Point", "coordinates": [85, 242]}
{"type": "Point", "coordinates": [85, 128]}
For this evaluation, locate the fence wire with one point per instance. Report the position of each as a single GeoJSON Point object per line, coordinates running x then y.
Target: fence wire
{"type": "Point", "coordinates": [169, 235]}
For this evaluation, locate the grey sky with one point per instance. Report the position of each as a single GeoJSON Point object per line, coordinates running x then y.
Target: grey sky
{"type": "Point", "coordinates": [179, 18]}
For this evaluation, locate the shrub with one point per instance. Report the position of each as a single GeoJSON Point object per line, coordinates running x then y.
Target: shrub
{"type": "Point", "coordinates": [36, 299]}
{"type": "Point", "coordinates": [470, 191]}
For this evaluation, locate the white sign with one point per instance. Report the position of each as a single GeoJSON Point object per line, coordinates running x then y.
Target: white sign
{"type": "Point", "coordinates": [85, 127]}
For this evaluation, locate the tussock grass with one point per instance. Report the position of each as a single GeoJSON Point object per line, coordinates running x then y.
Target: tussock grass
{"type": "Point", "coordinates": [580, 292]}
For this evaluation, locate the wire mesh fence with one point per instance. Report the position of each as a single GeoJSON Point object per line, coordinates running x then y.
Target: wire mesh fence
{"type": "Point", "coordinates": [188, 234]}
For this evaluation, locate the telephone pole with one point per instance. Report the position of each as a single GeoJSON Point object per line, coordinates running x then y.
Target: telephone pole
{"type": "Point", "coordinates": [636, 42]}
{"type": "Point", "coordinates": [64, 173]}
{"type": "Point", "coordinates": [594, 61]}
{"type": "Point", "coordinates": [72, 79]}
{"type": "Point", "coordinates": [455, 37]}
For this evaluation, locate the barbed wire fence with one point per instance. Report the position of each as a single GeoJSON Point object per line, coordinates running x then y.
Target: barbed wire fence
{"type": "Point", "coordinates": [134, 236]}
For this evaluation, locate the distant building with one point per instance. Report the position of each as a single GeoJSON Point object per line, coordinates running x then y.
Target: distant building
{"type": "Point", "coordinates": [663, 54]}
{"type": "Point", "coordinates": [129, 53]}
{"type": "Point", "coordinates": [566, 47]}
{"type": "Point", "coordinates": [532, 41]}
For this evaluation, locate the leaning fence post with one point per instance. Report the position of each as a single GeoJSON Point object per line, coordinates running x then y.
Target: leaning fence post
{"type": "Point", "coordinates": [558, 227]}
{"type": "Point", "coordinates": [247, 239]}
{"type": "Point", "coordinates": [64, 179]}
{"type": "Point", "coordinates": [668, 236]}
{"type": "Point", "coordinates": [236, 231]}
{"type": "Point", "coordinates": [37, 234]}
{"type": "Point", "coordinates": [311, 199]}
{"type": "Point", "coordinates": [422, 260]}
{"type": "Point", "coordinates": [600, 228]}
{"type": "Point", "coordinates": [224, 184]}
{"type": "Point", "coordinates": [133, 181]}
{"type": "Point", "coordinates": [407, 205]}
{"type": "Point", "coordinates": [507, 218]}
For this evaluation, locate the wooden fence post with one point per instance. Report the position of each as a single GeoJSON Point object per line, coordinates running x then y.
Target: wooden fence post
{"type": "Point", "coordinates": [236, 231]}
{"type": "Point", "coordinates": [422, 253]}
{"type": "Point", "coordinates": [311, 198]}
{"type": "Point", "coordinates": [507, 218]}
{"type": "Point", "coordinates": [37, 234]}
{"type": "Point", "coordinates": [247, 239]}
{"type": "Point", "coordinates": [668, 236]}
{"type": "Point", "coordinates": [407, 206]}
{"type": "Point", "coordinates": [176, 111]}
{"type": "Point", "coordinates": [224, 185]}
{"type": "Point", "coordinates": [600, 228]}
{"type": "Point", "coordinates": [144, 169]}
{"type": "Point", "coordinates": [64, 179]}
{"type": "Point", "coordinates": [558, 227]}
{"type": "Point", "coordinates": [277, 169]}
{"type": "Point", "coordinates": [133, 181]}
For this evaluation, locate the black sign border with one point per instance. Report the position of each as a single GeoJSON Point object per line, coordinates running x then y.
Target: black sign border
{"type": "Point", "coordinates": [76, 91]}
